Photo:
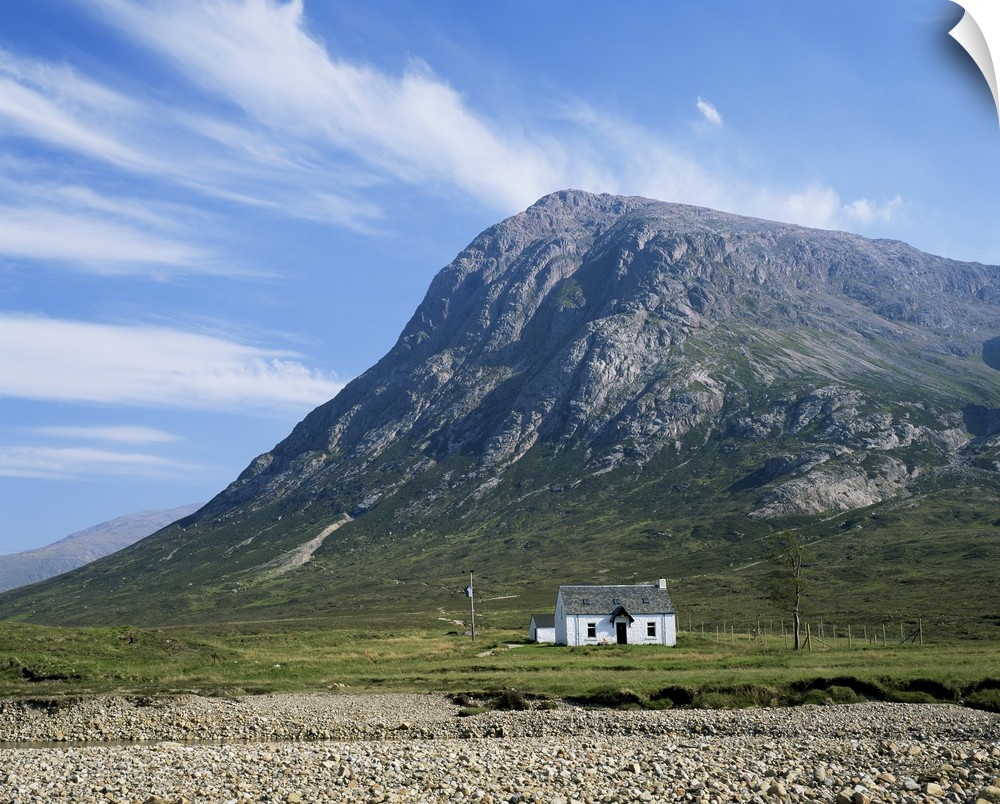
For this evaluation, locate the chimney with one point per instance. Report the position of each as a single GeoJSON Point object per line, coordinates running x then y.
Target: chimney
{"type": "Point", "coordinates": [663, 583]}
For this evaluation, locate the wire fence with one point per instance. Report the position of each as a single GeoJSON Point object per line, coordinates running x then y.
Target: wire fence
{"type": "Point", "coordinates": [813, 634]}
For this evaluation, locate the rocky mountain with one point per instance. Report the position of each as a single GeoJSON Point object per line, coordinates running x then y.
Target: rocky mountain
{"type": "Point", "coordinates": [84, 546]}
{"type": "Point", "coordinates": [609, 387]}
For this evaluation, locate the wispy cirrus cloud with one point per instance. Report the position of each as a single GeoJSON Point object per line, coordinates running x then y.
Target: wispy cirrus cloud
{"type": "Point", "coordinates": [64, 360]}
{"type": "Point", "coordinates": [299, 131]}
{"type": "Point", "coordinates": [55, 219]}
{"type": "Point", "coordinates": [54, 104]}
{"type": "Point", "coordinates": [218, 157]}
{"type": "Point", "coordinates": [102, 456]}
{"type": "Point", "coordinates": [634, 160]}
{"type": "Point", "coordinates": [66, 463]}
{"type": "Point", "coordinates": [709, 112]}
{"type": "Point", "coordinates": [414, 127]}
{"type": "Point", "coordinates": [119, 434]}
{"type": "Point", "coordinates": [96, 243]}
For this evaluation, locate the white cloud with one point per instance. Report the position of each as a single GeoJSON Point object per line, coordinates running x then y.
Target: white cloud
{"type": "Point", "coordinates": [414, 127]}
{"type": "Point", "coordinates": [62, 463]}
{"type": "Point", "coordinates": [709, 112]}
{"type": "Point", "coordinates": [158, 216]}
{"type": "Point", "coordinates": [622, 157]}
{"type": "Point", "coordinates": [94, 243]}
{"type": "Point", "coordinates": [160, 141]}
{"type": "Point", "coordinates": [302, 132]}
{"type": "Point", "coordinates": [81, 227]}
{"type": "Point", "coordinates": [618, 156]}
{"type": "Point", "coordinates": [867, 212]}
{"type": "Point", "coordinates": [817, 205]}
{"type": "Point", "coordinates": [120, 434]}
{"type": "Point", "coordinates": [821, 206]}
{"type": "Point", "coordinates": [63, 360]}
{"type": "Point", "coordinates": [52, 103]}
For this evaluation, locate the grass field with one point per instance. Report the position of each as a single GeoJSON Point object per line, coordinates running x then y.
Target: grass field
{"type": "Point", "coordinates": [39, 661]}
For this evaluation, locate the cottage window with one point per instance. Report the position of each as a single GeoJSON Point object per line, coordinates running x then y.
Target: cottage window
{"type": "Point", "coordinates": [591, 630]}
{"type": "Point", "coordinates": [651, 629]}
{"type": "Point", "coordinates": [616, 600]}
{"type": "Point", "coordinates": [586, 601]}
{"type": "Point", "coordinates": [645, 600]}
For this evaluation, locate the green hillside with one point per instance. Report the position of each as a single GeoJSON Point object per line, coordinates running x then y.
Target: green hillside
{"type": "Point", "coordinates": [607, 389]}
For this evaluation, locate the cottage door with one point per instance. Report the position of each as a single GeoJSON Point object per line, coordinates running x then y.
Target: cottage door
{"type": "Point", "coordinates": [621, 630]}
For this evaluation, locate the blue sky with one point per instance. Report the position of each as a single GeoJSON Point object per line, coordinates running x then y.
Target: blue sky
{"type": "Point", "coordinates": [214, 213]}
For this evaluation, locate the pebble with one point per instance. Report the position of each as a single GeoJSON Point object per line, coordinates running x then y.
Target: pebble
{"type": "Point", "coordinates": [343, 747]}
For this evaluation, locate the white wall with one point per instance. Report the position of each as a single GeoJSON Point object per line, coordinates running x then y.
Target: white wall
{"type": "Point", "coordinates": [561, 638]}
{"type": "Point", "coordinates": [545, 635]}
{"type": "Point", "coordinates": [669, 630]}
{"type": "Point", "coordinates": [607, 632]}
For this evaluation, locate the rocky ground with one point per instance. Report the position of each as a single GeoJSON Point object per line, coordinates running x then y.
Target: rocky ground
{"type": "Point", "coordinates": [415, 748]}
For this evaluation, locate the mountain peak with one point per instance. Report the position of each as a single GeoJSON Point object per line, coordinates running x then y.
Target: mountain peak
{"type": "Point", "coordinates": [588, 319]}
{"type": "Point", "coordinates": [650, 366]}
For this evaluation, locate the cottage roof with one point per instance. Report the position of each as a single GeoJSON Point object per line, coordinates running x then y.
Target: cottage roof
{"type": "Point", "coordinates": [647, 598]}
{"type": "Point", "coordinates": [544, 620]}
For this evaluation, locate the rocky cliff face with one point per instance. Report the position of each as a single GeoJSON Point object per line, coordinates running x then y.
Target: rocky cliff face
{"type": "Point", "coordinates": [599, 384]}
{"type": "Point", "coordinates": [620, 325]}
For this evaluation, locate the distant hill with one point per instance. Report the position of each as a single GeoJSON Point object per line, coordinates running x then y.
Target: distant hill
{"type": "Point", "coordinates": [82, 547]}
{"type": "Point", "coordinates": [614, 389]}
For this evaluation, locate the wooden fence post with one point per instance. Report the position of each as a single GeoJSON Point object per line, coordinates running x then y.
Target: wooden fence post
{"type": "Point", "coordinates": [850, 644]}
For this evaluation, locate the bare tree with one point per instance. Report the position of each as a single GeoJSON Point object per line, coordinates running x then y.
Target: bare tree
{"type": "Point", "coordinates": [789, 556]}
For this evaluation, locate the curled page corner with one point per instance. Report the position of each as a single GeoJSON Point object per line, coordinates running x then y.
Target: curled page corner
{"type": "Point", "coordinates": [979, 33]}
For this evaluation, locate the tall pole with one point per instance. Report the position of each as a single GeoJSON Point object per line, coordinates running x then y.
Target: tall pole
{"type": "Point", "coordinates": [472, 606]}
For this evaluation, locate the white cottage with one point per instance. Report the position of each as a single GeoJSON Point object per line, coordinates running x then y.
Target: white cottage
{"type": "Point", "coordinates": [639, 614]}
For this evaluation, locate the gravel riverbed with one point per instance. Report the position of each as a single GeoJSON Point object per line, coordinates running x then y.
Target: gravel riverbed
{"type": "Point", "coordinates": [414, 748]}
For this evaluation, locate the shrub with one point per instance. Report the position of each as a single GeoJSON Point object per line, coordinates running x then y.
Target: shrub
{"type": "Point", "coordinates": [815, 698]}
{"type": "Point", "coordinates": [614, 699]}
{"type": "Point", "coordinates": [672, 696]}
{"type": "Point", "coordinates": [511, 700]}
{"type": "Point", "coordinates": [988, 699]}
{"type": "Point", "coordinates": [843, 695]}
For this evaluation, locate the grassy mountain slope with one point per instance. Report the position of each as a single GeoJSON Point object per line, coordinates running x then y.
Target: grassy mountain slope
{"type": "Point", "coordinates": [607, 389]}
